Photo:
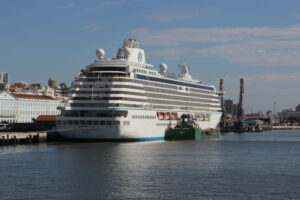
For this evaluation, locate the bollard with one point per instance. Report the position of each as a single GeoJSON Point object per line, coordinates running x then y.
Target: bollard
{"type": "Point", "coordinates": [7, 139]}
{"type": "Point", "coordinates": [15, 140]}
{"type": "Point", "coordinates": [30, 139]}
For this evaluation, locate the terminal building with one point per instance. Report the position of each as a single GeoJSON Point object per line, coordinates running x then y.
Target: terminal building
{"type": "Point", "coordinates": [22, 108]}
{"type": "Point", "coordinates": [290, 114]}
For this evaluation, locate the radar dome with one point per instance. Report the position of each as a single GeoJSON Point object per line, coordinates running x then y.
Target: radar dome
{"type": "Point", "coordinates": [100, 53]}
{"type": "Point", "coordinates": [163, 68]}
{"type": "Point", "coordinates": [184, 68]}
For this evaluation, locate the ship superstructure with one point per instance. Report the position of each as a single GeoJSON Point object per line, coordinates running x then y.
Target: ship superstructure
{"type": "Point", "coordinates": [126, 98]}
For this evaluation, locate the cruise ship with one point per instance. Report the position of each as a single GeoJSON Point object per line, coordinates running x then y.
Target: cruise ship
{"type": "Point", "coordinates": [124, 98]}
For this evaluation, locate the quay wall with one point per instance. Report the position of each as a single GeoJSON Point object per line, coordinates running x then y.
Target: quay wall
{"type": "Point", "coordinates": [9, 138]}
{"type": "Point", "coordinates": [285, 127]}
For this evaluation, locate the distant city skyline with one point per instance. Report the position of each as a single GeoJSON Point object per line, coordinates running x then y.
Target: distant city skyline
{"type": "Point", "coordinates": [257, 40]}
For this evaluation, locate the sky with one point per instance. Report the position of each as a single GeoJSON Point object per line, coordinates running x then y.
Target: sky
{"type": "Point", "coordinates": [258, 40]}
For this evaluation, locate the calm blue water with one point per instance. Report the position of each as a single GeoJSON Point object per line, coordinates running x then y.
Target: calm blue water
{"type": "Point", "coordinates": [236, 166]}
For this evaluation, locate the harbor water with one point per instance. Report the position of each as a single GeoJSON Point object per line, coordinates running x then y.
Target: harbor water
{"type": "Point", "coordinates": [235, 166]}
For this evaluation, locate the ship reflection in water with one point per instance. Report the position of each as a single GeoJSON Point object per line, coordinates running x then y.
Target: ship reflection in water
{"type": "Point", "coordinates": [234, 166]}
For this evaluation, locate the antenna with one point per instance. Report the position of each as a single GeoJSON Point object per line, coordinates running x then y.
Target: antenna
{"type": "Point", "coordinates": [113, 53]}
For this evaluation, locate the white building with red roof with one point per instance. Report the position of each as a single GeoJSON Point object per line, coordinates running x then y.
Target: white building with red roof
{"type": "Point", "coordinates": [20, 108]}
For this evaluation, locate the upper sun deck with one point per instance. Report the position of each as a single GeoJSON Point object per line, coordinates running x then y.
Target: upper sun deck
{"type": "Point", "coordinates": [130, 61]}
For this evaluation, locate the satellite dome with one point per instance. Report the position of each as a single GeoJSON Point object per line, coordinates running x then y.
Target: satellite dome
{"type": "Point", "coordinates": [100, 53]}
{"type": "Point", "coordinates": [163, 68]}
{"type": "Point", "coordinates": [184, 68]}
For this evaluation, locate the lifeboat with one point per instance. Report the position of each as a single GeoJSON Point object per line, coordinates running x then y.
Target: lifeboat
{"type": "Point", "coordinates": [160, 115]}
{"type": "Point", "coordinates": [173, 116]}
{"type": "Point", "coordinates": [205, 117]}
{"type": "Point", "coordinates": [167, 116]}
{"type": "Point", "coordinates": [200, 117]}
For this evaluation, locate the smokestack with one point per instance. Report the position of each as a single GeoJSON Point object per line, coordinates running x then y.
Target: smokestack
{"type": "Point", "coordinates": [241, 101]}
{"type": "Point", "coordinates": [221, 93]}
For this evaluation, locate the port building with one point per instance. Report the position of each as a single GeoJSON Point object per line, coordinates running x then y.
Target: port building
{"type": "Point", "coordinates": [22, 108]}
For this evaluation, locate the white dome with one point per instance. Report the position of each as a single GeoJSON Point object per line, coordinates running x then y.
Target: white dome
{"type": "Point", "coordinates": [100, 53]}
{"type": "Point", "coordinates": [163, 68]}
{"type": "Point", "coordinates": [184, 68]}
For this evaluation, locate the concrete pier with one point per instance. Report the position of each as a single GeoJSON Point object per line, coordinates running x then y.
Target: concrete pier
{"type": "Point", "coordinates": [13, 138]}
{"type": "Point", "coordinates": [285, 127]}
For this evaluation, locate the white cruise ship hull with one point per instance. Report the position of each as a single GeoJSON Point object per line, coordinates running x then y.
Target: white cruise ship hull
{"type": "Point", "coordinates": [136, 130]}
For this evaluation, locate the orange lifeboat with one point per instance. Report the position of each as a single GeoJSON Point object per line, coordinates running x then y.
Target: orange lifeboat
{"type": "Point", "coordinates": [167, 116]}
{"type": "Point", "coordinates": [173, 116]}
{"type": "Point", "coordinates": [205, 117]}
{"type": "Point", "coordinates": [160, 115]}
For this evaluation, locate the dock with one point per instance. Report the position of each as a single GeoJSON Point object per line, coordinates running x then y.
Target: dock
{"type": "Point", "coordinates": [14, 138]}
{"type": "Point", "coordinates": [285, 127]}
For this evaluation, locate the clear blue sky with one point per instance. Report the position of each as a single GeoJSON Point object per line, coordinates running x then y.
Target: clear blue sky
{"type": "Point", "coordinates": [258, 40]}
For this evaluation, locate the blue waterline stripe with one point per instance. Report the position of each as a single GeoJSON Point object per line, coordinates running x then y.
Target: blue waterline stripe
{"type": "Point", "coordinates": [155, 79]}
{"type": "Point", "coordinates": [146, 138]}
{"type": "Point", "coordinates": [120, 139]}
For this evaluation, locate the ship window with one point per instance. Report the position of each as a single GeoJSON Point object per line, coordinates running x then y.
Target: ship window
{"type": "Point", "coordinates": [65, 122]}
{"type": "Point", "coordinates": [116, 122]}
{"type": "Point", "coordinates": [95, 122]}
{"type": "Point", "coordinates": [89, 122]}
{"type": "Point", "coordinates": [76, 122]}
{"type": "Point", "coordinates": [102, 122]}
{"type": "Point", "coordinates": [123, 69]}
{"type": "Point", "coordinates": [82, 122]}
{"type": "Point", "coordinates": [109, 122]}
{"type": "Point", "coordinates": [69, 122]}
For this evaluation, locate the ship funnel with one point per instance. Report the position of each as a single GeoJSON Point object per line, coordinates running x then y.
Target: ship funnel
{"type": "Point", "coordinates": [130, 43]}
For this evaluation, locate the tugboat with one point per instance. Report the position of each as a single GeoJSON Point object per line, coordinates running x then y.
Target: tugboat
{"type": "Point", "coordinates": [187, 129]}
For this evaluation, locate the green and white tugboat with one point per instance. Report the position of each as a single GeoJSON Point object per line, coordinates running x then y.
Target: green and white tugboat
{"type": "Point", "coordinates": [187, 129]}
